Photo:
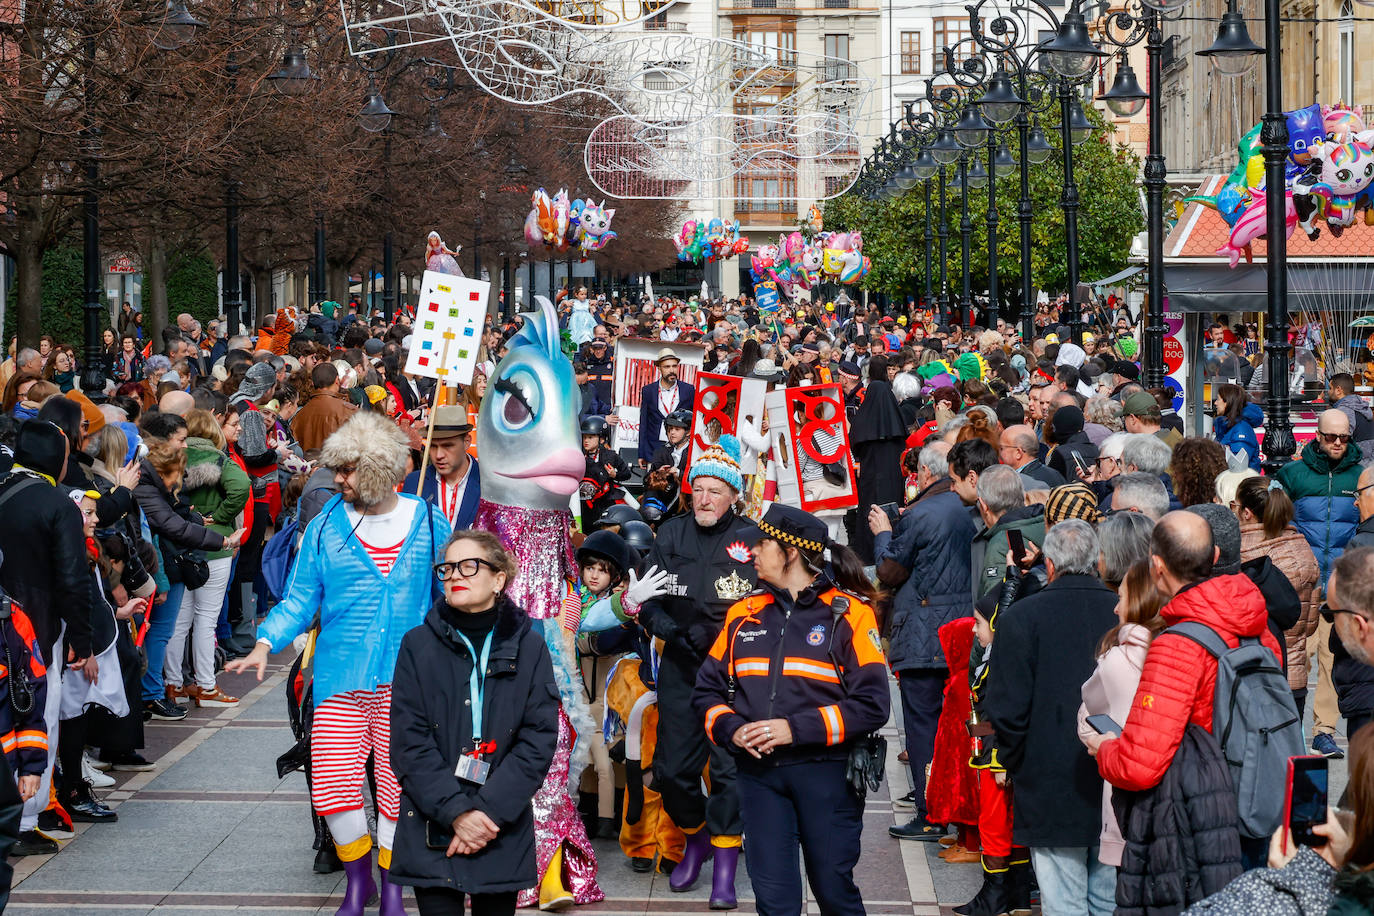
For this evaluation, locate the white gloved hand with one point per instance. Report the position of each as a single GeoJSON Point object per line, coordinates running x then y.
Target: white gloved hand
{"type": "Point", "coordinates": [653, 585]}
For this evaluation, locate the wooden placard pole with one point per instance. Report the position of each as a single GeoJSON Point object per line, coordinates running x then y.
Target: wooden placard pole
{"type": "Point", "coordinates": [433, 407]}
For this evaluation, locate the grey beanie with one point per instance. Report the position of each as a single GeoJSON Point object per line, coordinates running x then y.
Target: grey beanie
{"type": "Point", "coordinates": [252, 434]}
{"type": "Point", "coordinates": [1225, 535]}
{"type": "Point", "coordinates": [259, 380]}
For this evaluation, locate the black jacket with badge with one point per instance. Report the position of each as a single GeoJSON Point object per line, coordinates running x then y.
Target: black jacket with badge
{"type": "Point", "coordinates": [431, 725]}
{"type": "Point", "coordinates": [816, 662]}
{"type": "Point", "coordinates": [709, 569]}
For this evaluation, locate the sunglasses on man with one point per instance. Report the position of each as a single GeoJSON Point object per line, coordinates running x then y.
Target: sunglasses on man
{"type": "Point", "coordinates": [1333, 438]}
{"type": "Point", "coordinates": [1329, 613]}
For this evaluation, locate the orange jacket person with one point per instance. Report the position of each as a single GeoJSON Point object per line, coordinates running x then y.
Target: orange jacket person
{"type": "Point", "coordinates": [796, 676]}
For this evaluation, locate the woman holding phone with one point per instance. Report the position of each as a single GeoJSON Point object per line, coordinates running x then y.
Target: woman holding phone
{"type": "Point", "coordinates": [474, 721]}
{"type": "Point", "coordinates": [1111, 689]}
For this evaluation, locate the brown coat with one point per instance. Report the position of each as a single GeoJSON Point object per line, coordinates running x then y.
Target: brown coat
{"type": "Point", "coordinates": [1293, 556]}
{"type": "Point", "coordinates": [321, 415]}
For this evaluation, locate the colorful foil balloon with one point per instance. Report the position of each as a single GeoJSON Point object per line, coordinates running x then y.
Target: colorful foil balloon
{"type": "Point", "coordinates": [1327, 179]}
{"type": "Point", "coordinates": [705, 242]}
{"type": "Point", "coordinates": [562, 224]}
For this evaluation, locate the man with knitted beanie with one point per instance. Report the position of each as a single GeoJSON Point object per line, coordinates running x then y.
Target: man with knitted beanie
{"type": "Point", "coordinates": [709, 569]}
{"type": "Point", "coordinates": [365, 564]}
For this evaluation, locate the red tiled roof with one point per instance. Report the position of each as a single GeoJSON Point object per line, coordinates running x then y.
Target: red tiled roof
{"type": "Point", "coordinates": [1201, 231]}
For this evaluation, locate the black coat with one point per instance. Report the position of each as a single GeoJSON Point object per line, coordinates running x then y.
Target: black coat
{"type": "Point", "coordinates": [1046, 647]}
{"type": "Point", "coordinates": [1061, 459]}
{"type": "Point", "coordinates": [1182, 839]}
{"type": "Point", "coordinates": [175, 523]}
{"type": "Point", "coordinates": [431, 725]}
{"type": "Point", "coordinates": [44, 566]}
{"type": "Point", "coordinates": [1281, 599]}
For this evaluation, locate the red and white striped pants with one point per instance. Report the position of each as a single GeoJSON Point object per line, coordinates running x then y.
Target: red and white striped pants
{"type": "Point", "coordinates": [348, 726]}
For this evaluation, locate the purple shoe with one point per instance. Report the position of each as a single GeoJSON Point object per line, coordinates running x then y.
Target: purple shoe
{"type": "Point", "coordinates": [693, 857]}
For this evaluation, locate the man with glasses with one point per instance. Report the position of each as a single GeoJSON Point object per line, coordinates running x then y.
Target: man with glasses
{"type": "Point", "coordinates": [1018, 449]}
{"type": "Point", "coordinates": [1349, 609]}
{"type": "Point", "coordinates": [1322, 485]}
{"type": "Point", "coordinates": [365, 565]}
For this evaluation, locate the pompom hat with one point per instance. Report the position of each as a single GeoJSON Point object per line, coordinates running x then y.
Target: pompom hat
{"type": "Point", "coordinates": [721, 461]}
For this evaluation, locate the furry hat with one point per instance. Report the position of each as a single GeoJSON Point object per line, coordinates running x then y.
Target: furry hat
{"type": "Point", "coordinates": [721, 461]}
{"type": "Point", "coordinates": [376, 447]}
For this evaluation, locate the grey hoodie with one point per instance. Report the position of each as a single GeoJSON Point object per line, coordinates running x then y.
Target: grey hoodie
{"type": "Point", "coordinates": [1356, 410]}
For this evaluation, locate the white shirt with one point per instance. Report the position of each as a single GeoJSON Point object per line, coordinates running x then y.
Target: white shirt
{"type": "Point", "coordinates": [667, 403]}
{"type": "Point", "coordinates": [450, 498]}
{"type": "Point", "coordinates": [382, 535]}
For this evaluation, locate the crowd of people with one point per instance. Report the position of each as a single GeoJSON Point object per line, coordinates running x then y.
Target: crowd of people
{"type": "Point", "coordinates": [1101, 628]}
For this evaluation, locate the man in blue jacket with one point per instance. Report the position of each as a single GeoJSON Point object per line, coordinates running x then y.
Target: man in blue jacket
{"type": "Point", "coordinates": [366, 565]}
{"type": "Point", "coordinates": [452, 482]}
{"type": "Point", "coordinates": [928, 559]}
{"type": "Point", "coordinates": [658, 400]}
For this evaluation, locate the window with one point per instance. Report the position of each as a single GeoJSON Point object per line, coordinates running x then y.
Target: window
{"type": "Point", "coordinates": [1345, 42]}
{"type": "Point", "coordinates": [949, 31]}
{"type": "Point", "coordinates": [911, 52]}
{"type": "Point", "coordinates": [766, 192]}
{"type": "Point", "coordinates": [835, 185]}
{"type": "Point", "coordinates": [837, 57]}
{"type": "Point", "coordinates": [769, 47]}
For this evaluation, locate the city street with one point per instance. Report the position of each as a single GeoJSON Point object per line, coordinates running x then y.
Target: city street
{"type": "Point", "coordinates": [213, 830]}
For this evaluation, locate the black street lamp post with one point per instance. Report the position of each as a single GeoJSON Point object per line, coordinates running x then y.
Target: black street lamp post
{"type": "Point", "coordinates": [318, 283]}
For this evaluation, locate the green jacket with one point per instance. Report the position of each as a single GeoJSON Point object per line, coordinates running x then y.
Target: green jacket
{"type": "Point", "coordinates": [989, 547]}
{"type": "Point", "coordinates": [218, 488]}
{"type": "Point", "coordinates": [1323, 497]}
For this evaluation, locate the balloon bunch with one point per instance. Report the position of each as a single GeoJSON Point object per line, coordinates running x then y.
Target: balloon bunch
{"type": "Point", "coordinates": [703, 242]}
{"type": "Point", "coordinates": [795, 264]}
{"type": "Point", "coordinates": [563, 224]}
{"type": "Point", "coordinates": [1328, 177]}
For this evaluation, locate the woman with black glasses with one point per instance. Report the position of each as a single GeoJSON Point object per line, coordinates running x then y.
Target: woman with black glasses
{"type": "Point", "coordinates": [474, 722]}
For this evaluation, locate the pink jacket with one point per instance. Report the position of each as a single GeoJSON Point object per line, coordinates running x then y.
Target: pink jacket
{"type": "Point", "coordinates": [1110, 691]}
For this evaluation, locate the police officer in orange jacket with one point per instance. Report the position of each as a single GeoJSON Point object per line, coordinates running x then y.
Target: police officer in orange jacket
{"type": "Point", "coordinates": [796, 675]}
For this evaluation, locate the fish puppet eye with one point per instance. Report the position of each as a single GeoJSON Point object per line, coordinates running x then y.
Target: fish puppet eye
{"type": "Point", "coordinates": [518, 399]}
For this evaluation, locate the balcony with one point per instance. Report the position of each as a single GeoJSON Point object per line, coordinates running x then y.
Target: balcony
{"type": "Point", "coordinates": [835, 71]}
{"type": "Point", "coordinates": [792, 6]}
{"type": "Point", "coordinates": [766, 212]}
{"type": "Point", "coordinates": [658, 25]}
{"type": "Point", "coordinates": [746, 5]}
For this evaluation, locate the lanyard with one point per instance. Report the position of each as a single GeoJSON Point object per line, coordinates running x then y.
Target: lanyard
{"type": "Point", "coordinates": [477, 683]}
{"type": "Point", "coordinates": [448, 500]}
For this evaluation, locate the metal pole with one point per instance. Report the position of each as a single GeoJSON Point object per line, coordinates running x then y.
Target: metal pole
{"type": "Point", "coordinates": [388, 240]}
{"type": "Point", "coordinates": [943, 232]}
{"type": "Point", "coordinates": [232, 302]}
{"type": "Point", "coordinates": [1024, 213]}
{"type": "Point", "coordinates": [508, 284]}
{"type": "Point", "coordinates": [1155, 173]}
{"type": "Point", "coordinates": [965, 231]}
{"type": "Point", "coordinates": [994, 306]}
{"type": "Point", "coordinates": [1070, 205]}
{"type": "Point", "coordinates": [92, 375]}
{"type": "Point", "coordinates": [929, 237]}
{"type": "Point", "coordinates": [319, 292]}
{"type": "Point", "coordinates": [1279, 444]}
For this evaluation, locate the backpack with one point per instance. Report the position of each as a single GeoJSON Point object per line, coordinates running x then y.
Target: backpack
{"type": "Point", "coordinates": [1255, 721]}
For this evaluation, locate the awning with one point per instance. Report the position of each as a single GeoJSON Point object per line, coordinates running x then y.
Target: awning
{"type": "Point", "coordinates": [1219, 288]}
{"type": "Point", "coordinates": [1116, 278]}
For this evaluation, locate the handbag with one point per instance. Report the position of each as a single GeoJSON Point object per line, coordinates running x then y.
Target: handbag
{"type": "Point", "coordinates": [188, 567]}
{"type": "Point", "coordinates": [867, 761]}
{"type": "Point", "coordinates": [835, 473]}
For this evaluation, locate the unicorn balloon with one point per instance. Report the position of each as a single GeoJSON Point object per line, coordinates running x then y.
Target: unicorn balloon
{"type": "Point", "coordinates": [531, 466]}
{"type": "Point", "coordinates": [595, 227]}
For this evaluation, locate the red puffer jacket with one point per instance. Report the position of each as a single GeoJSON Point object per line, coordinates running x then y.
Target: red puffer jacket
{"type": "Point", "coordinates": [1179, 678]}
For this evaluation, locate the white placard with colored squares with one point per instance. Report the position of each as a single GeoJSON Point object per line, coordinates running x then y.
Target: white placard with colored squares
{"type": "Point", "coordinates": [448, 328]}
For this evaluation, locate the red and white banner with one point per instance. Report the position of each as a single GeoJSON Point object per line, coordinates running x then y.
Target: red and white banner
{"type": "Point", "coordinates": [811, 420]}
{"type": "Point", "coordinates": [635, 368]}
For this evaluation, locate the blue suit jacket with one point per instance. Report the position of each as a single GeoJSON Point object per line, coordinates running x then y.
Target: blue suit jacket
{"type": "Point", "coordinates": [467, 511]}
{"type": "Point", "coordinates": [651, 418]}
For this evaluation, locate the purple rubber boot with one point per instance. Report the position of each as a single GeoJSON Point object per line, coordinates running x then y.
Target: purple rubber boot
{"type": "Point", "coordinates": [361, 888]}
{"type": "Point", "coordinates": [693, 857]}
{"type": "Point", "coordinates": [723, 878]}
{"type": "Point", "coordinates": [392, 904]}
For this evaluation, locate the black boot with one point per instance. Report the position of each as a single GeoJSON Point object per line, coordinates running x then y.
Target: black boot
{"type": "Point", "coordinates": [1020, 880]}
{"type": "Point", "coordinates": [992, 896]}
{"type": "Point", "coordinates": [327, 861]}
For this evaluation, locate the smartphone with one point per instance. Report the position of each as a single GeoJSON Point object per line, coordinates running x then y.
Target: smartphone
{"type": "Point", "coordinates": [1078, 462]}
{"type": "Point", "coordinates": [890, 510]}
{"type": "Point", "coordinates": [1017, 543]}
{"type": "Point", "coordinates": [1106, 725]}
{"type": "Point", "coordinates": [1306, 805]}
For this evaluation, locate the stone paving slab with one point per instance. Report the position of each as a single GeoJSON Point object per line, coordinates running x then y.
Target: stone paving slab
{"type": "Point", "coordinates": [214, 830]}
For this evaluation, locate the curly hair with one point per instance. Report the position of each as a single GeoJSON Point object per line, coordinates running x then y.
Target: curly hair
{"type": "Point", "coordinates": [1196, 464]}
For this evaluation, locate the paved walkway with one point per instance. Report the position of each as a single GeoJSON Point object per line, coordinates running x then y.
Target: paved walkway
{"type": "Point", "coordinates": [213, 829]}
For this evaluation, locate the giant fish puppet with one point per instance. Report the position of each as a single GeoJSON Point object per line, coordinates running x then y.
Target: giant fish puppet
{"type": "Point", "coordinates": [531, 466]}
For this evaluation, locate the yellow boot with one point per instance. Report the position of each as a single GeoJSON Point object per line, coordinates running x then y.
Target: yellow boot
{"type": "Point", "coordinates": [553, 896]}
